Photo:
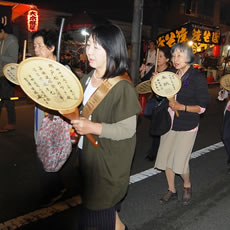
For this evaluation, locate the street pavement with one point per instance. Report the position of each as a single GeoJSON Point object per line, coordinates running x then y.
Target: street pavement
{"type": "Point", "coordinates": [22, 182]}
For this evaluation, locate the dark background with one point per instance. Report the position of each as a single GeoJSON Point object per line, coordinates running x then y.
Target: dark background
{"type": "Point", "coordinates": [115, 9]}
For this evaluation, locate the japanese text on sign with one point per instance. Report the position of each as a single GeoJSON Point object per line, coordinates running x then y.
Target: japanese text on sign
{"type": "Point", "coordinates": [185, 33]}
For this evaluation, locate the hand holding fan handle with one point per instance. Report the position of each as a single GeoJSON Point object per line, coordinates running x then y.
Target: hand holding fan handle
{"type": "Point", "coordinates": [73, 115]}
{"type": "Point", "coordinates": [172, 99]}
{"type": "Point", "coordinates": [166, 84]}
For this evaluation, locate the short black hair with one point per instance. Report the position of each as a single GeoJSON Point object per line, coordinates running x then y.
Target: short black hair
{"type": "Point", "coordinates": [112, 39]}
{"type": "Point", "coordinates": [50, 38]}
{"type": "Point", "coordinates": [166, 50]}
{"type": "Point", "coordinates": [152, 41]}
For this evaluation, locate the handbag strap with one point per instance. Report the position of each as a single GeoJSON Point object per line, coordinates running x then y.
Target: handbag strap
{"type": "Point", "coordinates": [100, 94]}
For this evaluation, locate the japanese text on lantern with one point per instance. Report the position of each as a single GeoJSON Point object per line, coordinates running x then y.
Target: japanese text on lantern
{"type": "Point", "coordinates": [32, 20]}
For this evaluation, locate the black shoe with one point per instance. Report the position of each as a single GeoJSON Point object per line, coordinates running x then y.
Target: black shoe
{"type": "Point", "coordinates": [169, 196]}
{"type": "Point", "coordinates": [126, 228]}
{"type": "Point", "coordinates": [187, 196]}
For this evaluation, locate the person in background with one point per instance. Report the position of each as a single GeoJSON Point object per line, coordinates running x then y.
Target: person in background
{"type": "Point", "coordinates": [45, 43]}
{"type": "Point", "coordinates": [222, 94]}
{"type": "Point", "coordinates": [9, 49]}
{"type": "Point", "coordinates": [163, 64]}
{"type": "Point", "coordinates": [83, 62]}
{"type": "Point", "coordinates": [176, 145]}
{"type": "Point", "coordinates": [150, 59]}
{"type": "Point", "coordinates": [106, 169]}
{"type": "Point", "coordinates": [225, 126]}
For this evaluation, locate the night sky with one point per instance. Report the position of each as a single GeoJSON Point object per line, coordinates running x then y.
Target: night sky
{"type": "Point", "coordinates": [118, 9]}
{"type": "Point", "coordinates": [81, 5]}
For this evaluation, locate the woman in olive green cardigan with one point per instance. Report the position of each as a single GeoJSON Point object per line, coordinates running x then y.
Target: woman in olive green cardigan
{"type": "Point", "coordinates": [106, 169]}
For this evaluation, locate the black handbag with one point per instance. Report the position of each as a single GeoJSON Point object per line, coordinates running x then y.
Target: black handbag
{"type": "Point", "coordinates": [151, 104]}
{"type": "Point", "coordinates": [160, 119]}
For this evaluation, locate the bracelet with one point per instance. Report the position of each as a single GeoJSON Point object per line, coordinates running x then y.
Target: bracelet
{"type": "Point", "coordinates": [185, 108]}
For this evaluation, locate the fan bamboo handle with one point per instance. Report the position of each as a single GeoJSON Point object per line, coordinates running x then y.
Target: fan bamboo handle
{"type": "Point", "coordinates": [73, 115]}
{"type": "Point", "coordinates": [92, 140]}
{"type": "Point", "coordinates": [156, 59]}
{"type": "Point", "coordinates": [172, 100]}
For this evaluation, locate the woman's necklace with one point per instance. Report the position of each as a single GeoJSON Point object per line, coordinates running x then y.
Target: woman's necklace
{"type": "Point", "coordinates": [97, 78]}
{"type": "Point", "coordinates": [96, 81]}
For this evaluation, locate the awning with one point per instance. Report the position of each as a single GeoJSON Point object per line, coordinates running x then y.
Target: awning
{"type": "Point", "coordinates": [78, 21]}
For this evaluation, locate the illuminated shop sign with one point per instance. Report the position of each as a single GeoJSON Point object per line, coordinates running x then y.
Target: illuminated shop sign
{"type": "Point", "coordinates": [199, 34]}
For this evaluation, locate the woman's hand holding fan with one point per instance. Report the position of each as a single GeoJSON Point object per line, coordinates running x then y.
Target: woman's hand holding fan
{"type": "Point", "coordinates": [166, 84]}
{"type": "Point", "coordinates": [53, 86]}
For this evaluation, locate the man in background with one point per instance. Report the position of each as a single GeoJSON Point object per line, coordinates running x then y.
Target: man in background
{"type": "Point", "coordinates": [9, 48]}
{"type": "Point", "coordinates": [150, 59]}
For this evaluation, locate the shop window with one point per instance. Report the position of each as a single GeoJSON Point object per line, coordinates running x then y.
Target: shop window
{"type": "Point", "coordinates": [190, 7]}
{"type": "Point", "coordinates": [205, 7]}
{"type": "Point", "coordinates": [224, 14]}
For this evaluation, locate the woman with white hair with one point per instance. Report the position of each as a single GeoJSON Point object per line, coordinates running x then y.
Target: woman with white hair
{"type": "Point", "coordinates": [176, 145]}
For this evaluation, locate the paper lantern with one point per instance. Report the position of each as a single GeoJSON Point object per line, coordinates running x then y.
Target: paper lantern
{"type": "Point", "coordinates": [142, 101]}
{"type": "Point", "coordinates": [216, 51]}
{"type": "Point", "coordinates": [32, 20]}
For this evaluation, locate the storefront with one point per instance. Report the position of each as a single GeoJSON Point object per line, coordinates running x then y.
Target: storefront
{"type": "Point", "coordinates": [205, 42]}
{"type": "Point", "coordinates": [225, 52]}
{"type": "Point", "coordinates": [20, 19]}
{"type": "Point", "coordinates": [203, 37]}
{"type": "Point", "coordinates": [24, 19]}
{"type": "Point", "coordinates": [13, 10]}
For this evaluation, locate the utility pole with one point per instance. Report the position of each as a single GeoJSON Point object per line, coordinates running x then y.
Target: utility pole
{"type": "Point", "coordinates": [216, 13]}
{"type": "Point", "coordinates": [136, 39]}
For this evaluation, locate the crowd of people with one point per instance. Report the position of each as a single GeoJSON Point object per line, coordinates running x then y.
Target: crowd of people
{"type": "Point", "coordinates": [113, 122]}
{"type": "Point", "coordinates": [78, 63]}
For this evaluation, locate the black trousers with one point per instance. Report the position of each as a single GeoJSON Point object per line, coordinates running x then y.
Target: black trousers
{"type": "Point", "coordinates": [7, 91]}
{"type": "Point", "coordinates": [225, 133]}
{"type": "Point", "coordinates": [152, 153]}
